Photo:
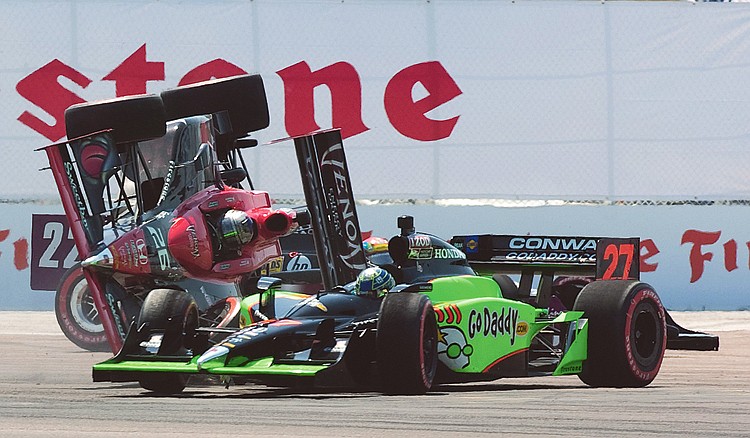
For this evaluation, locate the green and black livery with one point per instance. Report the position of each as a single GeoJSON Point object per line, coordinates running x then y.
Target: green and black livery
{"type": "Point", "coordinates": [477, 308]}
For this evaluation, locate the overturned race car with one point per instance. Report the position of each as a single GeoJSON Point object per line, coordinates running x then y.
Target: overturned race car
{"type": "Point", "coordinates": [152, 187]}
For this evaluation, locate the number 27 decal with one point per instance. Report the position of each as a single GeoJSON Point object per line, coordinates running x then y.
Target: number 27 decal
{"type": "Point", "coordinates": [618, 259]}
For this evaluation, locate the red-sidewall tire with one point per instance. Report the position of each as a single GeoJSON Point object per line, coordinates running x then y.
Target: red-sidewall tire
{"type": "Point", "coordinates": [406, 344]}
{"type": "Point", "coordinates": [76, 313]}
{"type": "Point", "coordinates": [627, 333]}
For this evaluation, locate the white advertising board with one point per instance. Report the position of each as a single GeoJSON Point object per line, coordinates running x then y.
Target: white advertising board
{"type": "Point", "coordinates": [530, 99]}
{"type": "Point", "coordinates": [697, 258]}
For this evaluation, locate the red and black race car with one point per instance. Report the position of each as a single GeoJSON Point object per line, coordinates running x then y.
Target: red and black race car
{"type": "Point", "coordinates": [152, 187]}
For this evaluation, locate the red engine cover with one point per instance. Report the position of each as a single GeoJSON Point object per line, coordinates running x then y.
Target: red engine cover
{"type": "Point", "coordinates": [190, 243]}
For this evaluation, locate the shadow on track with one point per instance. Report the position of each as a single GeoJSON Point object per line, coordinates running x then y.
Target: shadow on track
{"type": "Point", "coordinates": [208, 391]}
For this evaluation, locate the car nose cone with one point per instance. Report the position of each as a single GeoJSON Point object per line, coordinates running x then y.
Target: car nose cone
{"type": "Point", "coordinates": [213, 353]}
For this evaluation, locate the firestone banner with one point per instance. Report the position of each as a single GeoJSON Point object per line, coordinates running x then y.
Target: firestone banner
{"type": "Point", "coordinates": [436, 100]}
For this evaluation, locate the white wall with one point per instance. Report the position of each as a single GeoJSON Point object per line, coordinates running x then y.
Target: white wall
{"type": "Point", "coordinates": [716, 289]}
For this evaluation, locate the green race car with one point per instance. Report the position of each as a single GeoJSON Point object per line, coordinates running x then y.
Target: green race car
{"type": "Point", "coordinates": [428, 311]}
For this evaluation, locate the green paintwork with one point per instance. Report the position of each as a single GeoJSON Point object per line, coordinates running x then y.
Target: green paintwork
{"type": "Point", "coordinates": [284, 302]}
{"type": "Point", "coordinates": [491, 328]}
{"type": "Point", "coordinates": [147, 366]}
{"type": "Point", "coordinates": [572, 361]}
{"type": "Point", "coordinates": [478, 329]}
{"type": "Point", "coordinates": [456, 288]}
{"type": "Point", "coordinates": [263, 366]}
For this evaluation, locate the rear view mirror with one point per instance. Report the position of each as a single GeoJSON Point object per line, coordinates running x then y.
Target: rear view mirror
{"type": "Point", "coordinates": [267, 300]}
{"type": "Point", "coordinates": [265, 283]}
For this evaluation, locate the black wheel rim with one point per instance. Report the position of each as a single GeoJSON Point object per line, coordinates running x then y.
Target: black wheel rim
{"type": "Point", "coordinates": [646, 335]}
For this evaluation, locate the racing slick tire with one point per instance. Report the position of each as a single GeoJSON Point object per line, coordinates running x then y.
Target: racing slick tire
{"type": "Point", "coordinates": [132, 118]}
{"type": "Point", "coordinates": [627, 333]}
{"type": "Point", "coordinates": [175, 313]}
{"type": "Point", "coordinates": [406, 344]}
{"type": "Point", "coordinates": [76, 313]}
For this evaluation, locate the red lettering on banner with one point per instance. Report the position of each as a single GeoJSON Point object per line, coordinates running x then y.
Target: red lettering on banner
{"type": "Point", "coordinates": [730, 255]}
{"type": "Point", "coordinates": [341, 79]}
{"type": "Point", "coordinates": [409, 116]}
{"type": "Point", "coordinates": [697, 257]}
{"type": "Point", "coordinates": [648, 250]}
{"type": "Point", "coordinates": [43, 90]}
{"type": "Point", "coordinates": [131, 76]}
{"type": "Point", "coordinates": [21, 254]}
{"type": "Point", "coordinates": [20, 251]}
{"type": "Point", "coordinates": [216, 69]}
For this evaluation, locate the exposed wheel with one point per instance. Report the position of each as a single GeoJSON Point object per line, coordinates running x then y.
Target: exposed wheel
{"type": "Point", "coordinates": [406, 344]}
{"type": "Point", "coordinates": [223, 313]}
{"type": "Point", "coordinates": [76, 313]}
{"type": "Point", "coordinates": [567, 289]}
{"type": "Point", "coordinates": [133, 118]}
{"type": "Point", "coordinates": [243, 97]}
{"type": "Point", "coordinates": [627, 333]}
{"type": "Point", "coordinates": [174, 313]}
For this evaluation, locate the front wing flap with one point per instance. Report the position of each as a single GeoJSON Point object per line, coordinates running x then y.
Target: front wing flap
{"type": "Point", "coordinates": [133, 362]}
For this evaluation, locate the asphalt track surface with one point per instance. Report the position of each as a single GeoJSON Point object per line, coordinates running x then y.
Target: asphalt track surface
{"type": "Point", "coordinates": [46, 390]}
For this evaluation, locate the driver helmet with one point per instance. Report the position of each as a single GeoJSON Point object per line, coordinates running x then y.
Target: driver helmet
{"type": "Point", "coordinates": [375, 245]}
{"type": "Point", "coordinates": [374, 281]}
{"type": "Point", "coordinates": [236, 229]}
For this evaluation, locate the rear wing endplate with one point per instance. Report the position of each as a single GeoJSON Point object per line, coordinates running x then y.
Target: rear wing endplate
{"type": "Point", "coordinates": [330, 200]}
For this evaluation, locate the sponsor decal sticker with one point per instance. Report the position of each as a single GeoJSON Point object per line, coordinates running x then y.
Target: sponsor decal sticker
{"type": "Point", "coordinates": [572, 369]}
{"type": "Point", "coordinates": [472, 245]}
{"type": "Point", "coordinates": [522, 328]}
{"type": "Point", "coordinates": [488, 322]}
{"type": "Point", "coordinates": [193, 238]}
{"type": "Point", "coordinates": [448, 313]}
{"type": "Point", "coordinates": [453, 348]}
{"type": "Point", "coordinates": [298, 262]}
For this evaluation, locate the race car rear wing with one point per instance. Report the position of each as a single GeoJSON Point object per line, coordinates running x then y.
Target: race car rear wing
{"type": "Point", "coordinates": [606, 258]}
{"type": "Point", "coordinates": [603, 258]}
